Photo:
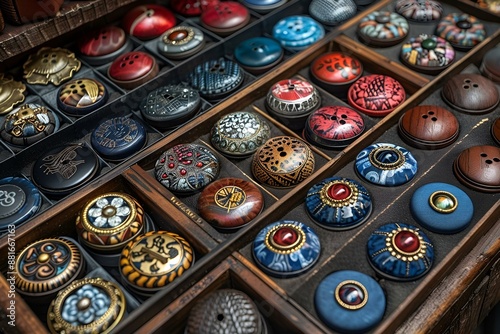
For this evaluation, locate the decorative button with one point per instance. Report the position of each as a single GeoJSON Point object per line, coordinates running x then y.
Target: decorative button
{"type": "Point", "coordinates": [81, 96]}
{"type": "Point", "coordinates": [11, 93]}
{"type": "Point", "coordinates": [54, 65]}
{"type": "Point", "coordinates": [263, 6]}
{"type": "Point", "coordinates": [181, 42]}
{"type": "Point", "coordinates": [153, 260]}
{"type": "Point", "coordinates": [187, 168]}
{"type": "Point", "coordinates": [376, 95]}
{"type": "Point", "coordinates": [332, 13]}
{"type": "Point", "coordinates": [62, 170]}
{"type": "Point", "coordinates": [382, 28]}
{"type": "Point", "coordinates": [133, 69]}
{"type": "Point", "coordinates": [428, 127]}
{"type": "Point", "coordinates": [286, 248]}
{"type": "Point", "coordinates": [490, 66]}
{"type": "Point", "coordinates": [471, 93]}
{"type": "Point", "coordinates": [298, 32]}
{"type": "Point", "coordinates": [170, 106]}
{"type": "Point", "coordinates": [478, 167]}
{"type": "Point", "coordinates": [192, 7]}
{"type": "Point", "coordinates": [495, 131]}
{"type": "Point", "coordinates": [118, 138]}
{"type": "Point", "coordinates": [441, 208]}
{"type": "Point", "coordinates": [225, 17]}
{"type": "Point", "coordinates": [239, 134]}
{"type": "Point", "coordinates": [386, 164]}
{"type": "Point", "coordinates": [462, 30]}
{"type": "Point", "coordinates": [419, 10]}
{"type": "Point", "coordinates": [258, 54]}
{"type": "Point", "coordinates": [19, 201]}
{"type": "Point", "coordinates": [148, 21]}
{"type": "Point", "coordinates": [350, 301]}
{"type": "Point", "coordinates": [283, 162]}
{"type": "Point", "coordinates": [104, 45]}
{"type": "Point", "coordinates": [28, 124]}
{"type": "Point", "coordinates": [90, 304]}
{"type": "Point", "coordinates": [400, 252]}
{"type": "Point", "coordinates": [427, 54]}
{"type": "Point", "coordinates": [333, 127]}
{"type": "Point", "coordinates": [230, 203]}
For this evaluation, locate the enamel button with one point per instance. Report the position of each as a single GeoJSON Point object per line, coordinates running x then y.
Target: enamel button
{"type": "Point", "coordinates": [298, 32]}
{"type": "Point", "coordinates": [81, 96]}
{"type": "Point", "coordinates": [148, 21]}
{"type": "Point", "coordinates": [133, 69]}
{"type": "Point", "coordinates": [225, 17]}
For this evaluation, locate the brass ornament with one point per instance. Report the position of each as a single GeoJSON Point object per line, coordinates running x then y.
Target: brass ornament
{"type": "Point", "coordinates": [230, 197]}
{"type": "Point", "coordinates": [399, 253]}
{"type": "Point", "coordinates": [443, 202]}
{"type": "Point", "coordinates": [349, 200]}
{"type": "Point", "coordinates": [11, 93]}
{"type": "Point", "coordinates": [27, 117]}
{"type": "Point", "coordinates": [54, 65]}
{"type": "Point", "coordinates": [374, 158]}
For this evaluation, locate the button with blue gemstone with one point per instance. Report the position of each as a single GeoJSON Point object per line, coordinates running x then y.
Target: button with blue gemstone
{"type": "Point", "coordinates": [386, 164]}
{"type": "Point", "coordinates": [442, 208]}
{"type": "Point", "coordinates": [338, 203]}
{"type": "Point", "coordinates": [286, 248]}
{"type": "Point", "coordinates": [350, 301]}
{"type": "Point", "coordinates": [400, 252]}
{"type": "Point", "coordinates": [298, 32]}
{"type": "Point", "coordinates": [258, 54]}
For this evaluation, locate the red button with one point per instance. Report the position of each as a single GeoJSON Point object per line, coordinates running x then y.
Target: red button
{"type": "Point", "coordinates": [285, 236]}
{"type": "Point", "coordinates": [133, 69]}
{"type": "Point", "coordinates": [103, 41]}
{"type": "Point", "coordinates": [336, 68]}
{"type": "Point", "coordinates": [339, 191]}
{"type": "Point", "coordinates": [148, 21]}
{"type": "Point", "coordinates": [226, 17]}
{"type": "Point", "coordinates": [407, 242]}
{"type": "Point", "coordinates": [192, 7]}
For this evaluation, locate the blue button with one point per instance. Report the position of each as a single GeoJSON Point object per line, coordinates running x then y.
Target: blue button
{"type": "Point", "coordinates": [19, 201]}
{"type": "Point", "coordinates": [263, 6]}
{"type": "Point", "coordinates": [298, 32]}
{"type": "Point", "coordinates": [258, 52]}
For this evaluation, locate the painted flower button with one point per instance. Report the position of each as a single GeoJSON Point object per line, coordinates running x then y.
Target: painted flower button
{"type": "Point", "coordinates": [50, 65]}
{"type": "Point", "coordinates": [386, 164]}
{"type": "Point", "coordinates": [441, 208]}
{"type": "Point", "coordinates": [258, 54]}
{"type": "Point", "coordinates": [298, 32]}
{"type": "Point", "coordinates": [383, 28]}
{"type": "Point", "coordinates": [462, 30]}
{"type": "Point", "coordinates": [148, 21]}
{"type": "Point", "coordinates": [104, 45]}
{"type": "Point", "coordinates": [286, 248]}
{"type": "Point", "coordinates": [331, 12]}
{"type": "Point", "coordinates": [350, 301]}
{"type": "Point", "coordinates": [11, 93]}
{"type": "Point", "coordinates": [181, 42]}
{"type": "Point", "coordinates": [225, 17]}
{"type": "Point", "coordinates": [419, 10]}
{"type": "Point", "coordinates": [187, 168]}
{"type": "Point", "coordinates": [80, 97]}
{"type": "Point", "coordinates": [400, 252]}
{"type": "Point", "coordinates": [478, 167]}
{"type": "Point", "coordinates": [427, 54]}
{"type": "Point", "coordinates": [133, 69]}
{"type": "Point", "coordinates": [263, 6]}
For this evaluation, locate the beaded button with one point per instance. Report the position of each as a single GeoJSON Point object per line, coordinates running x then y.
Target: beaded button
{"type": "Point", "coordinates": [148, 21]}
{"type": "Point", "coordinates": [258, 54]}
{"type": "Point", "coordinates": [81, 96]}
{"type": "Point", "coordinates": [332, 13]}
{"type": "Point", "coordinates": [11, 93]}
{"type": "Point", "coordinates": [19, 201]}
{"type": "Point", "coordinates": [181, 42]}
{"type": "Point", "coordinates": [478, 167]}
{"type": "Point", "coordinates": [54, 65]}
{"type": "Point", "coordinates": [225, 17]}
{"type": "Point", "coordinates": [383, 28]}
{"type": "Point", "coordinates": [133, 69]}
{"type": "Point", "coordinates": [298, 32]}
{"type": "Point", "coordinates": [462, 30]}
{"type": "Point", "coordinates": [427, 54]}
{"type": "Point", "coordinates": [104, 45]}
{"type": "Point", "coordinates": [419, 10]}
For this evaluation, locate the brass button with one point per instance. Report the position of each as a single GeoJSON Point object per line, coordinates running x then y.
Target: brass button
{"type": "Point", "coordinates": [54, 65]}
{"type": "Point", "coordinates": [11, 93]}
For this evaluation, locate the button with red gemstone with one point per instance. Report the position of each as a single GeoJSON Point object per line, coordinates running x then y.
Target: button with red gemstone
{"type": "Point", "coordinates": [286, 248]}
{"type": "Point", "coordinates": [400, 252]}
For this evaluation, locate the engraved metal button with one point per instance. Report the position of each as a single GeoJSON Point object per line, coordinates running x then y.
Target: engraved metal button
{"type": "Point", "coordinates": [54, 65]}
{"type": "Point", "coordinates": [11, 93]}
{"type": "Point", "coordinates": [332, 13]}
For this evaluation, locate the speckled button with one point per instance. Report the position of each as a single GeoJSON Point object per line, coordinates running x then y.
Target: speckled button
{"type": "Point", "coordinates": [400, 252]}
{"type": "Point", "coordinates": [263, 6]}
{"type": "Point", "coordinates": [382, 28]}
{"type": "Point", "coordinates": [376, 95]}
{"type": "Point", "coordinates": [428, 127]}
{"type": "Point", "coordinates": [225, 17]}
{"type": "Point", "coordinates": [471, 93]}
{"type": "Point", "coordinates": [187, 168]}
{"type": "Point", "coordinates": [283, 162]}
{"type": "Point", "coordinates": [333, 127]}
{"type": "Point", "coordinates": [11, 93]}
{"type": "Point", "coordinates": [386, 164]}
{"type": "Point", "coordinates": [286, 248]}
{"type": "Point", "coordinates": [332, 12]}
{"type": "Point", "coordinates": [80, 97]}
{"type": "Point", "coordinates": [490, 66]}
{"type": "Point", "coordinates": [133, 69]}
{"type": "Point", "coordinates": [103, 45]}
{"type": "Point", "coordinates": [441, 208]}
{"type": "Point", "coordinates": [230, 203]}
{"type": "Point", "coordinates": [427, 54]}
{"type": "Point", "coordinates": [192, 7]}
{"type": "Point", "coordinates": [19, 201]}
{"type": "Point", "coordinates": [478, 167]}
{"type": "Point", "coordinates": [258, 54]}
{"type": "Point", "coordinates": [239, 134]}
{"type": "Point", "coordinates": [419, 10]}
{"type": "Point", "coordinates": [462, 30]}
{"type": "Point", "coordinates": [298, 32]}
{"type": "Point", "coordinates": [148, 21]}
{"type": "Point", "coordinates": [495, 131]}
{"type": "Point", "coordinates": [338, 203]}
{"type": "Point", "coordinates": [350, 301]}
{"type": "Point", "coordinates": [181, 42]}
{"type": "Point", "coordinates": [50, 65]}
{"type": "Point", "coordinates": [118, 138]}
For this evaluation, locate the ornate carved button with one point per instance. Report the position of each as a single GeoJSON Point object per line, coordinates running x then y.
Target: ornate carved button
{"type": "Point", "coordinates": [225, 17]}
{"type": "Point", "coordinates": [118, 138]}
{"type": "Point", "coordinates": [382, 28]}
{"type": "Point", "coordinates": [181, 42]}
{"type": "Point", "coordinates": [263, 6]}
{"type": "Point", "coordinates": [90, 304]}
{"type": "Point", "coordinates": [349, 301]}
{"type": "Point", "coordinates": [28, 124]}
{"type": "Point", "coordinates": [286, 248]}
{"type": "Point", "coordinates": [258, 54]}
{"type": "Point", "coordinates": [133, 69]}
{"type": "Point", "coordinates": [54, 65]}
{"type": "Point", "coordinates": [441, 208]}
{"type": "Point", "coordinates": [427, 54]}
{"type": "Point", "coordinates": [169, 106]}
{"type": "Point", "coordinates": [495, 131]}
{"type": "Point", "coordinates": [462, 30]}
{"type": "Point", "coordinates": [19, 201]}
{"type": "Point", "coordinates": [239, 134]}
{"type": "Point", "coordinates": [11, 93]}
{"type": "Point", "coordinates": [298, 32]}
{"type": "Point", "coordinates": [386, 164]}
{"type": "Point", "coordinates": [103, 45]}
{"type": "Point", "coordinates": [428, 127]}
{"type": "Point", "coordinates": [81, 96]}
{"type": "Point", "coordinates": [332, 12]}
{"type": "Point", "coordinates": [283, 162]}
{"type": "Point", "coordinates": [490, 67]}
{"type": "Point", "coordinates": [471, 93]}
{"type": "Point", "coordinates": [338, 203]}
{"type": "Point", "coordinates": [478, 167]}
{"type": "Point", "coordinates": [153, 260]}
{"type": "Point", "coordinates": [230, 203]}
{"type": "Point", "coordinates": [192, 7]}
{"type": "Point", "coordinates": [333, 127]}
{"type": "Point", "coordinates": [148, 21]}
{"type": "Point", "coordinates": [376, 95]}
{"type": "Point", "coordinates": [419, 10]}
{"type": "Point", "coordinates": [187, 168]}
{"type": "Point", "coordinates": [64, 169]}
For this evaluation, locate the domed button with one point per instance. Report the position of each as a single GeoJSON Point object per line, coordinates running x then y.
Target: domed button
{"type": "Point", "coordinates": [429, 44]}
{"type": "Point", "coordinates": [464, 24]}
{"type": "Point", "coordinates": [427, 54]}
{"type": "Point", "coordinates": [419, 10]}
{"type": "Point", "coordinates": [400, 252]}
{"type": "Point", "coordinates": [332, 12]}
{"type": "Point", "coordinates": [462, 30]}
{"type": "Point", "coordinates": [286, 248]}
{"type": "Point", "coordinates": [148, 21]}
{"type": "Point", "coordinates": [11, 93]}
{"type": "Point", "coordinates": [133, 69]}
{"type": "Point", "coordinates": [225, 17]}
{"type": "Point", "coordinates": [495, 130]}
{"type": "Point", "coordinates": [298, 32]}
{"type": "Point", "coordinates": [103, 45]}
{"type": "Point", "coordinates": [382, 28]}
{"type": "Point", "coordinates": [54, 65]}
{"type": "Point", "coordinates": [181, 42]}
{"type": "Point", "coordinates": [263, 6]}
{"type": "Point", "coordinates": [19, 201]}
{"type": "Point", "coordinates": [81, 96]}
{"type": "Point", "coordinates": [258, 54]}
{"type": "Point", "coordinates": [192, 7]}
{"type": "Point", "coordinates": [478, 167]}
{"type": "Point", "coordinates": [490, 66]}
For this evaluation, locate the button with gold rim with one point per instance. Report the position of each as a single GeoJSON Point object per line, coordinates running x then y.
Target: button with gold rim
{"type": "Point", "coordinates": [54, 65]}
{"type": "Point", "coordinates": [11, 93]}
{"type": "Point", "coordinates": [181, 42]}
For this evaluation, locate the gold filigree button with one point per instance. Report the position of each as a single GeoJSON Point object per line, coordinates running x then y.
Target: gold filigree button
{"type": "Point", "coordinates": [11, 93]}
{"type": "Point", "coordinates": [54, 65]}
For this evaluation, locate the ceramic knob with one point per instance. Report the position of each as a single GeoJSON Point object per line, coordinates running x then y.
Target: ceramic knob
{"type": "Point", "coordinates": [148, 21]}
{"type": "Point", "coordinates": [133, 69]}
{"type": "Point", "coordinates": [50, 65]}
{"type": "Point", "coordinates": [225, 17]}
{"type": "Point", "coordinates": [19, 201]}
{"type": "Point", "coordinates": [478, 167]}
{"type": "Point", "coordinates": [11, 93]}
{"type": "Point", "coordinates": [263, 6]}
{"type": "Point", "coordinates": [332, 12]}
{"type": "Point", "coordinates": [427, 54]}
{"type": "Point", "coordinates": [80, 97]}
{"type": "Point", "coordinates": [258, 54]}
{"type": "Point", "coordinates": [462, 30]}
{"type": "Point", "coordinates": [419, 10]}
{"type": "Point", "coordinates": [383, 28]}
{"type": "Point", "coordinates": [298, 32]}
{"type": "Point", "coordinates": [103, 45]}
{"type": "Point", "coordinates": [495, 131]}
{"type": "Point", "coordinates": [490, 67]}
{"type": "Point", "coordinates": [192, 7]}
{"type": "Point", "coordinates": [181, 42]}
